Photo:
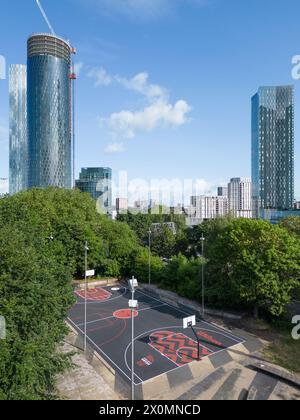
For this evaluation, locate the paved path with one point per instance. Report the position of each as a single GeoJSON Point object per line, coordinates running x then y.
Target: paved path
{"type": "Point", "coordinates": [83, 382]}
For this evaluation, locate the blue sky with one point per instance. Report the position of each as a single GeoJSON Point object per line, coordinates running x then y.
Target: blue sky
{"type": "Point", "coordinates": [164, 86]}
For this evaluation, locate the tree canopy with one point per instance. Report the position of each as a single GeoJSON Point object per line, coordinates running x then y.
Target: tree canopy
{"type": "Point", "coordinates": [42, 238]}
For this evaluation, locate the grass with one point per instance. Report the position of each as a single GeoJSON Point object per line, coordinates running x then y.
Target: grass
{"type": "Point", "coordinates": [283, 349]}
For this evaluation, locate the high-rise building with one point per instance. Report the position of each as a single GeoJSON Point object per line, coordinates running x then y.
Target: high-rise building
{"type": "Point", "coordinates": [49, 111]}
{"type": "Point", "coordinates": [273, 149]}
{"type": "Point", "coordinates": [98, 183]}
{"type": "Point", "coordinates": [209, 207]}
{"type": "Point", "coordinates": [222, 206]}
{"type": "Point", "coordinates": [206, 207]}
{"type": "Point", "coordinates": [239, 197]}
{"type": "Point", "coordinates": [18, 145]}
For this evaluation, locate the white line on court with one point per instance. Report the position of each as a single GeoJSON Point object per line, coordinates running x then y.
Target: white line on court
{"type": "Point", "coordinates": [102, 351]}
{"type": "Point", "coordinates": [110, 317]}
{"type": "Point", "coordinates": [198, 319]}
{"type": "Point", "coordinates": [105, 301]}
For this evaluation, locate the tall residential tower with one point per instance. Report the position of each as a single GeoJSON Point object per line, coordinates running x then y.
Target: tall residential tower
{"type": "Point", "coordinates": [18, 145]}
{"type": "Point", "coordinates": [49, 110]}
{"type": "Point", "coordinates": [273, 149]}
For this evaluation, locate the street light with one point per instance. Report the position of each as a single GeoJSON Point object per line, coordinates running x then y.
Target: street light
{"type": "Point", "coordinates": [149, 233]}
{"type": "Point", "coordinates": [133, 305]}
{"type": "Point", "coordinates": [202, 252]}
{"type": "Point", "coordinates": [86, 249]}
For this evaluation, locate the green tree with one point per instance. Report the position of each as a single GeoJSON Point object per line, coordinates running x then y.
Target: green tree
{"type": "Point", "coordinates": [292, 225]}
{"type": "Point", "coordinates": [35, 295]}
{"type": "Point", "coordinates": [253, 264]}
{"type": "Point", "coordinates": [141, 268]}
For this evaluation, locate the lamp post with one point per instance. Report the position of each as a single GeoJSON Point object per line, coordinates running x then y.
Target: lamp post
{"type": "Point", "coordinates": [149, 233]}
{"type": "Point", "coordinates": [86, 249]}
{"type": "Point", "coordinates": [133, 305]}
{"type": "Point", "coordinates": [203, 285]}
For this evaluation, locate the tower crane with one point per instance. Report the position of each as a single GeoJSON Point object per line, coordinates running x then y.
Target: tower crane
{"type": "Point", "coordinates": [72, 78]}
{"type": "Point", "coordinates": [45, 17]}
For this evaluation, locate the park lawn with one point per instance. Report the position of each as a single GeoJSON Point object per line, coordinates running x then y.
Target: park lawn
{"type": "Point", "coordinates": [285, 351]}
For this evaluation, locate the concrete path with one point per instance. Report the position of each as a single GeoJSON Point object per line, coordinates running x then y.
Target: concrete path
{"type": "Point", "coordinates": [83, 382]}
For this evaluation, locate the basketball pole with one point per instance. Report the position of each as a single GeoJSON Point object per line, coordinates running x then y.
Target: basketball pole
{"type": "Point", "coordinates": [85, 294]}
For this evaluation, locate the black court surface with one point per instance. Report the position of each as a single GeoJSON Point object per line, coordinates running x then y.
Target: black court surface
{"type": "Point", "coordinates": [161, 343]}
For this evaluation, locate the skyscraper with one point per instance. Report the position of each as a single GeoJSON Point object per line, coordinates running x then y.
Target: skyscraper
{"type": "Point", "coordinates": [98, 183]}
{"type": "Point", "coordinates": [239, 197]}
{"type": "Point", "coordinates": [49, 112]}
{"type": "Point", "coordinates": [18, 145]}
{"type": "Point", "coordinates": [273, 149]}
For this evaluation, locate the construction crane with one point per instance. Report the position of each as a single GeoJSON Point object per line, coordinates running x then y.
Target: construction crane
{"type": "Point", "coordinates": [45, 17]}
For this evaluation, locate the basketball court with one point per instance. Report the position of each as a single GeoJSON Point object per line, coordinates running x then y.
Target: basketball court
{"type": "Point", "coordinates": [161, 343]}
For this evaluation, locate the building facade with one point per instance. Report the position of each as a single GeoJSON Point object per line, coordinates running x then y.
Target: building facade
{"type": "Point", "coordinates": [18, 144]}
{"type": "Point", "coordinates": [273, 149]}
{"type": "Point", "coordinates": [222, 191]}
{"type": "Point", "coordinates": [49, 112]}
{"type": "Point", "coordinates": [98, 183]}
{"type": "Point", "coordinates": [239, 198]}
{"type": "Point", "coordinates": [121, 205]}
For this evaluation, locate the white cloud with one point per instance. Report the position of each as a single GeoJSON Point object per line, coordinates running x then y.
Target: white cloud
{"type": "Point", "coordinates": [114, 148]}
{"type": "Point", "coordinates": [139, 83]}
{"type": "Point", "coordinates": [158, 111]}
{"type": "Point", "coordinates": [158, 114]}
{"type": "Point", "coordinates": [3, 186]}
{"type": "Point", "coordinates": [102, 78]}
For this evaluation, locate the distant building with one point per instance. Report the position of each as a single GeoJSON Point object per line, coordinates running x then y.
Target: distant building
{"type": "Point", "coordinates": [18, 144]}
{"type": "Point", "coordinates": [222, 206]}
{"type": "Point", "coordinates": [275, 216]}
{"type": "Point", "coordinates": [273, 149]}
{"type": "Point", "coordinates": [209, 207]}
{"type": "Point", "coordinates": [206, 207]}
{"type": "Point", "coordinates": [121, 205]}
{"type": "Point", "coordinates": [142, 205]}
{"type": "Point", "coordinates": [296, 205]}
{"type": "Point", "coordinates": [239, 198]}
{"type": "Point", "coordinates": [98, 183]}
{"type": "Point", "coordinates": [222, 191]}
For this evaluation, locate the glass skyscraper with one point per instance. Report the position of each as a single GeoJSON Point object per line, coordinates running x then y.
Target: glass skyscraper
{"type": "Point", "coordinates": [49, 112]}
{"type": "Point", "coordinates": [98, 183]}
{"type": "Point", "coordinates": [18, 145]}
{"type": "Point", "coordinates": [273, 149]}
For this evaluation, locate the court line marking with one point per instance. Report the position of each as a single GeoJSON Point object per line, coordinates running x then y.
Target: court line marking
{"type": "Point", "coordinates": [109, 317]}
{"type": "Point", "coordinates": [179, 327]}
{"type": "Point", "coordinates": [229, 335]}
{"type": "Point", "coordinates": [118, 367]}
{"type": "Point", "coordinates": [197, 318]}
{"type": "Point", "coordinates": [108, 300]}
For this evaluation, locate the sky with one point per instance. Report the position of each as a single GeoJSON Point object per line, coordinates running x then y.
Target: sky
{"type": "Point", "coordinates": [164, 86]}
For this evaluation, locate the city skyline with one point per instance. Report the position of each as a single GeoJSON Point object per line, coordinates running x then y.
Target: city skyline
{"type": "Point", "coordinates": [192, 138]}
